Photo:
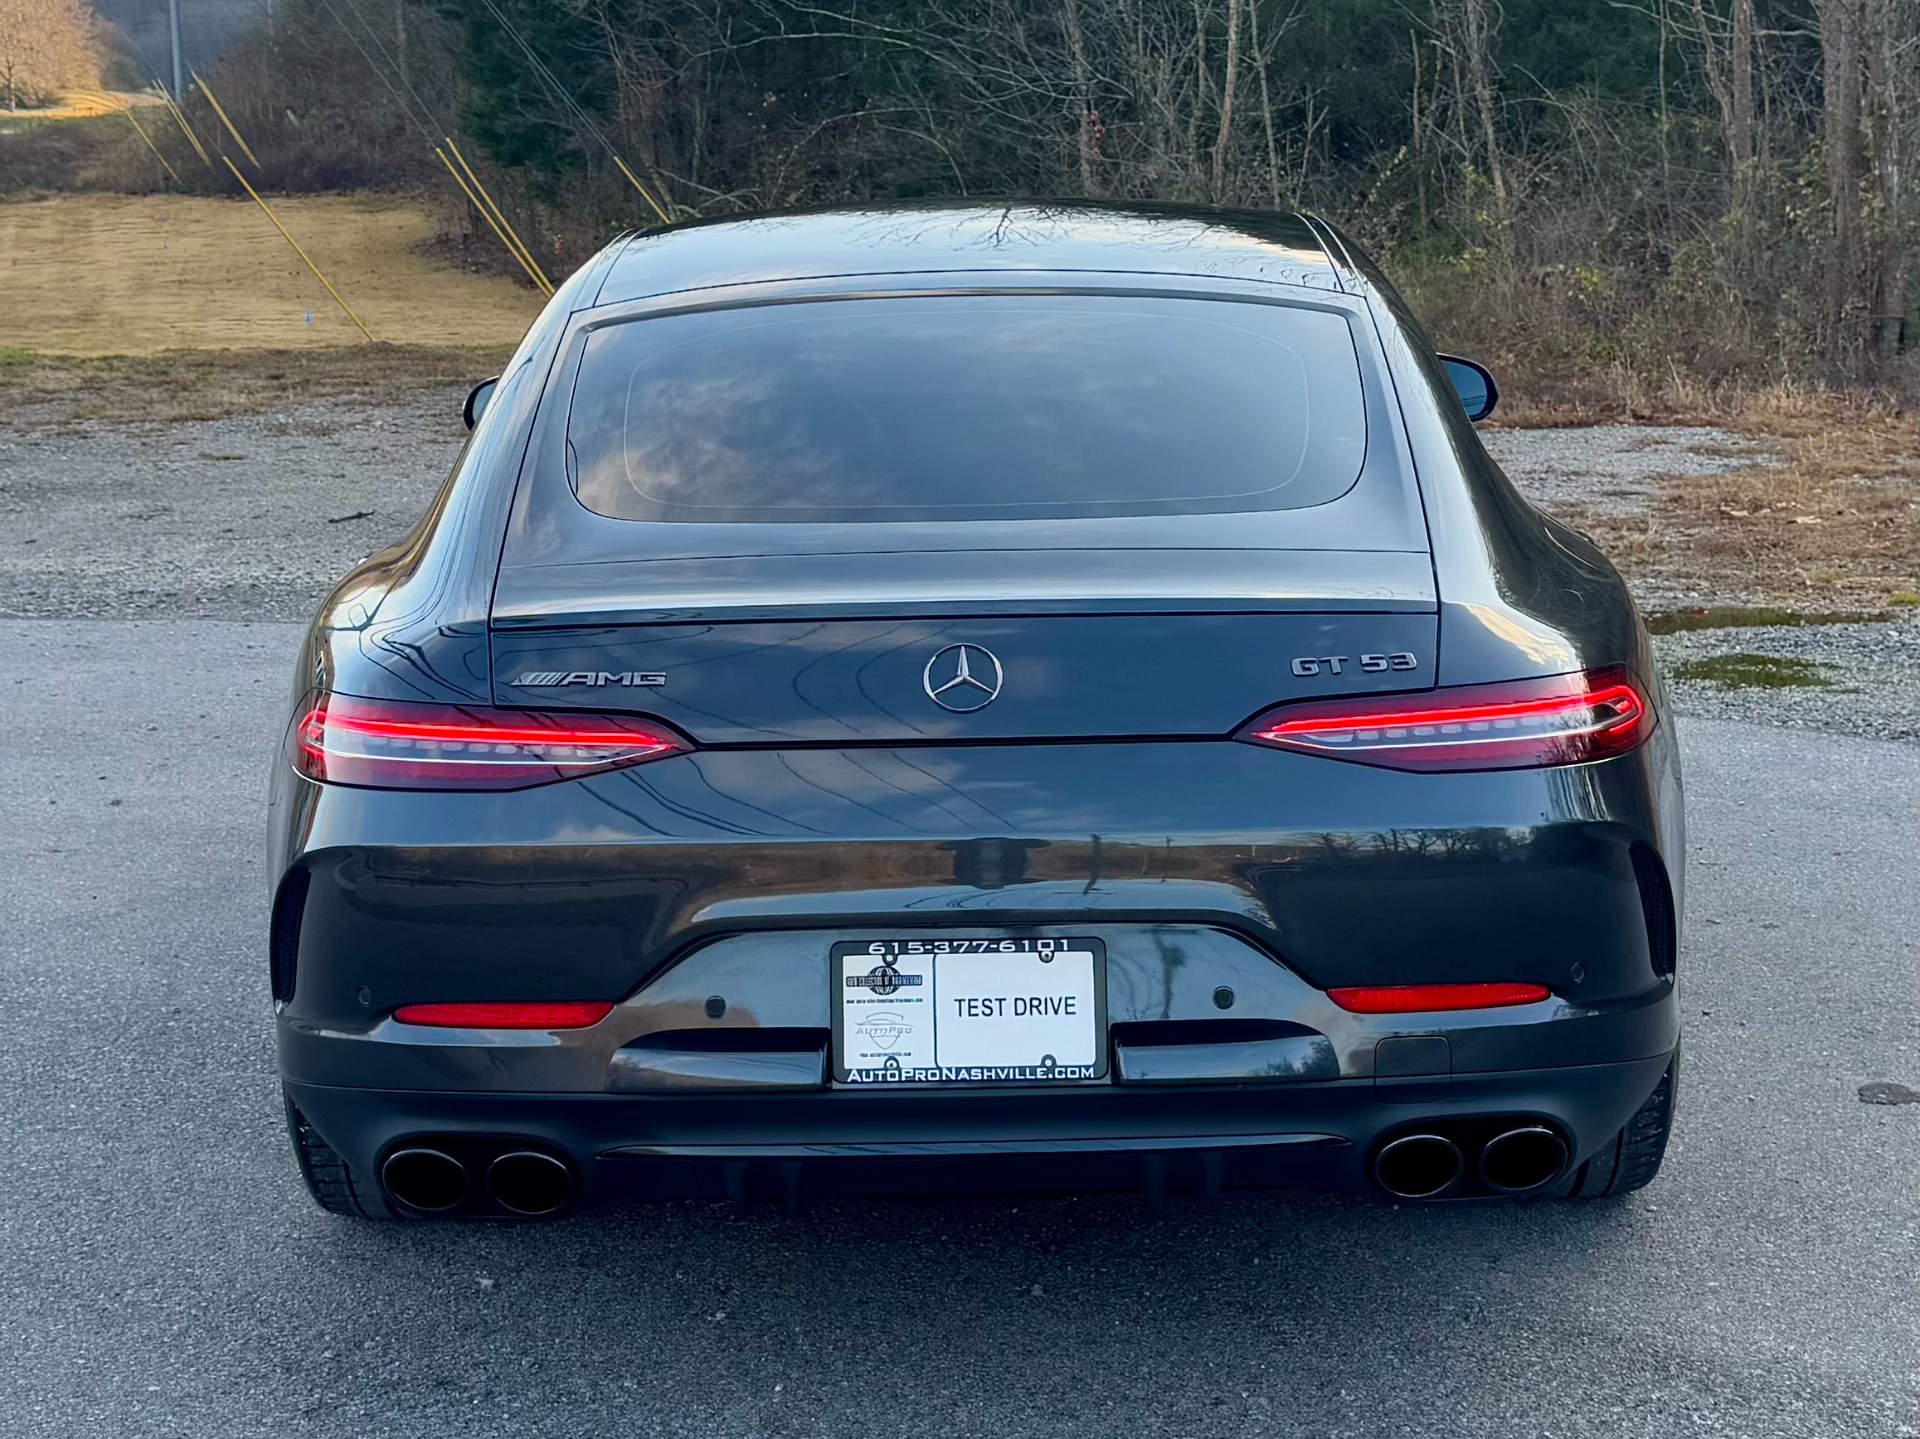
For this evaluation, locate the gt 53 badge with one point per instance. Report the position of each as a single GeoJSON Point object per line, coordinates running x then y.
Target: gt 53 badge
{"type": "Point", "coordinates": [1337, 664]}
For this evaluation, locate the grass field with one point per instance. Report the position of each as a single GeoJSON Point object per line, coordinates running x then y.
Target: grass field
{"type": "Point", "coordinates": [92, 275]}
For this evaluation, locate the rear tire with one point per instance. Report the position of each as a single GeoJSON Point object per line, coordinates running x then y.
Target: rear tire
{"type": "Point", "coordinates": [329, 1178]}
{"type": "Point", "coordinates": [1631, 1159]}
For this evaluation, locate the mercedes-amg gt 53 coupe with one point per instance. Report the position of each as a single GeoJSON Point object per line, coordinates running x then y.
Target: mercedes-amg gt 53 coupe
{"type": "Point", "coordinates": [960, 695]}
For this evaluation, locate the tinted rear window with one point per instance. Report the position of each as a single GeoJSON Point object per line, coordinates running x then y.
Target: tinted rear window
{"type": "Point", "coordinates": [967, 408]}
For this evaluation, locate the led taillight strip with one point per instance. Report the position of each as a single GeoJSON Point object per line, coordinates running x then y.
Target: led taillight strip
{"type": "Point", "coordinates": [558, 737]}
{"type": "Point", "coordinates": [388, 744]}
{"type": "Point", "coordinates": [1559, 720]}
{"type": "Point", "coordinates": [1612, 706]}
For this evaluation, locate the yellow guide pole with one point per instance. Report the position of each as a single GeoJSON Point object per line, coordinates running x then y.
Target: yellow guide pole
{"type": "Point", "coordinates": [500, 215]}
{"type": "Point", "coordinates": [534, 275]}
{"type": "Point", "coordinates": [127, 110]}
{"type": "Point", "coordinates": [180, 116]}
{"type": "Point", "coordinates": [645, 193]}
{"type": "Point", "coordinates": [238, 139]}
{"type": "Point", "coordinates": [296, 246]}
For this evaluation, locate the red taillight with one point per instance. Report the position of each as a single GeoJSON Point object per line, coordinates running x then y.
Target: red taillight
{"type": "Point", "coordinates": [538, 1015]}
{"type": "Point", "coordinates": [386, 744]}
{"type": "Point", "coordinates": [1566, 719]}
{"type": "Point", "coordinates": [1421, 998]}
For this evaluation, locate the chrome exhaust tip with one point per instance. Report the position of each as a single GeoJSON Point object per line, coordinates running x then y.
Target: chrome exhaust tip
{"type": "Point", "coordinates": [429, 1181]}
{"type": "Point", "coordinates": [1521, 1159]}
{"type": "Point", "coordinates": [1418, 1166]}
{"type": "Point", "coordinates": [530, 1183]}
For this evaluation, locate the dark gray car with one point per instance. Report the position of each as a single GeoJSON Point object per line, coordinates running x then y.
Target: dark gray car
{"type": "Point", "coordinates": [1022, 694]}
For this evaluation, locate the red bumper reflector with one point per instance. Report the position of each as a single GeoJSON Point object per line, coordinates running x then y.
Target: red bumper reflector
{"type": "Point", "coordinates": [552, 1015]}
{"type": "Point", "coordinates": [1419, 998]}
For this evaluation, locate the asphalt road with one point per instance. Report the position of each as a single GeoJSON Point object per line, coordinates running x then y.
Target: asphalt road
{"type": "Point", "coordinates": [162, 1273]}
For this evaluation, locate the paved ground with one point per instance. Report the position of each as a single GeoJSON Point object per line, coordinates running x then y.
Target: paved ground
{"type": "Point", "coordinates": [245, 517]}
{"type": "Point", "coordinates": [162, 1274]}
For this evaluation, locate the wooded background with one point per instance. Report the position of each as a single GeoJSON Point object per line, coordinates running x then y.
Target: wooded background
{"type": "Point", "coordinates": [1626, 193]}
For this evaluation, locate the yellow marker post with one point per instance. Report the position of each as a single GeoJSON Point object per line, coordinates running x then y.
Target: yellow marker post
{"type": "Point", "coordinates": [180, 117]}
{"type": "Point", "coordinates": [645, 193]}
{"type": "Point", "coordinates": [539, 280]}
{"type": "Point", "coordinates": [296, 246]}
{"type": "Point", "coordinates": [500, 215]}
{"type": "Point", "coordinates": [232, 130]}
{"type": "Point", "coordinates": [127, 110]}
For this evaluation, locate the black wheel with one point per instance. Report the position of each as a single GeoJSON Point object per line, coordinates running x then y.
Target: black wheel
{"type": "Point", "coordinates": [329, 1178]}
{"type": "Point", "coordinates": [1632, 1157]}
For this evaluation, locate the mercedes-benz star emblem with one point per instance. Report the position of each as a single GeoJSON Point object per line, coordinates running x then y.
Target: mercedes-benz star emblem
{"type": "Point", "coordinates": [962, 678]}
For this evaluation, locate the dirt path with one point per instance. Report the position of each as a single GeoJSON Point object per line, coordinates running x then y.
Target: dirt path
{"type": "Point", "coordinates": [138, 274]}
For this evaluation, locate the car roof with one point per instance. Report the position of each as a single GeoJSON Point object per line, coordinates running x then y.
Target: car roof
{"type": "Point", "coordinates": [973, 236]}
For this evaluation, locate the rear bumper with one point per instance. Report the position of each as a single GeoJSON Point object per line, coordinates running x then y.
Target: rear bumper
{"type": "Point", "coordinates": [1202, 867]}
{"type": "Point", "coordinates": [1281, 1087]}
{"type": "Point", "coordinates": [1347, 874]}
{"type": "Point", "coordinates": [1317, 1136]}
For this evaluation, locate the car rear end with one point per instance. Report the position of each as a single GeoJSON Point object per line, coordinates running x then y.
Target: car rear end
{"type": "Point", "coordinates": [990, 733]}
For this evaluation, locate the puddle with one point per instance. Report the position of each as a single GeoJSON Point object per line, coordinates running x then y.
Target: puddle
{"type": "Point", "coordinates": [1885, 1091]}
{"type": "Point", "coordinates": [1727, 617]}
{"type": "Point", "coordinates": [1749, 671]}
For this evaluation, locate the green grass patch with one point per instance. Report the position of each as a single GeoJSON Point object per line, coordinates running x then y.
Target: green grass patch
{"type": "Point", "coordinates": [1726, 617]}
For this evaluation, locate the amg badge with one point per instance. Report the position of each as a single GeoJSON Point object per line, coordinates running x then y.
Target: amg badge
{"type": "Point", "coordinates": [545, 679]}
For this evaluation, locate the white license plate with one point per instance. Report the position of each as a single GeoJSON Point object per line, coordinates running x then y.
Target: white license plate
{"type": "Point", "coordinates": [969, 1011]}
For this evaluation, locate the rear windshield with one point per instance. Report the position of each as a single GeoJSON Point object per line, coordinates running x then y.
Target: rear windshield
{"type": "Point", "coordinates": [967, 407]}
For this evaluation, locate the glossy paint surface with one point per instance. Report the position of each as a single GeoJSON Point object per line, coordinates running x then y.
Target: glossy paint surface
{"type": "Point", "coordinates": [949, 237]}
{"type": "Point", "coordinates": [1099, 792]}
{"type": "Point", "coordinates": [1063, 677]}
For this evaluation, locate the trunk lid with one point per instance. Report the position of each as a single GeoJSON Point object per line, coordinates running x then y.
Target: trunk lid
{"type": "Point", "coordinates": [1102, 644]}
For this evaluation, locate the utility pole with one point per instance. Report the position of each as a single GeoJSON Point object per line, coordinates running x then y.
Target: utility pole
{"type": "Point", "coordinates": [173, 27]}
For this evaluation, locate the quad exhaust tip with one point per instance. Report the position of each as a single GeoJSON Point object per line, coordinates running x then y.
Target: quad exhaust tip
{"type": "Point", "coordinates": [530, 1183]}
{"type": "Point", "coordinates": [1522, 1159]}
{"type": "Point", "coordinates": [1418, 1166]}
{"type": "Point", "coordinates": [430, 1181]}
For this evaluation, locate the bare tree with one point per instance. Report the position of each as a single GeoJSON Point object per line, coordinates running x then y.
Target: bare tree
{"type": "Point", "coordinates": [1083, 90]}
{"type": "Point", "coordinates": [1227, 84]}
{"type": "Point", "coordinates": [1463, 107]}
{"type": "Point", "coordinates": [1891, 58]}
{"type": "Point", "coordinates": [1727, 62]}
{"type": "Point", "coordinates": [1478, 19]}
{"type": "Point", "coordinates": [46, 47]}
{"type": "Point", "coordinates": [1840, 66]}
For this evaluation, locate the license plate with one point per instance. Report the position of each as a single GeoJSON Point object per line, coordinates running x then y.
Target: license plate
{"type": "Point", "coordinates": [969, 1011]}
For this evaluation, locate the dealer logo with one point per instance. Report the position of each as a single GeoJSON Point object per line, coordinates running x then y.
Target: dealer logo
{"type": "Point", "coordinates": [884, 979]}
{"type": "Point", "coordinates": [884, 1030]}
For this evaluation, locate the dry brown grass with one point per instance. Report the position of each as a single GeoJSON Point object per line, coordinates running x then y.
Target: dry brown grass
{"type": "Point", "coordinates": [90, 274]}
{"type": "Point", "coordinates": [90, 104]}
{"type": "Point", "coordinates": [1830, 520]}
{"type": "Point", "coordinates": [37, 390]}
{"type": "Point", "coordinates": [1619, 396]}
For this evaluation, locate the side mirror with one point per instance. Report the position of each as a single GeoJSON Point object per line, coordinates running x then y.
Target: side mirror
{"type": "Point", "coordinates": [1473, 383]}
{"type": "Point", "coordinates": [478, 398]}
